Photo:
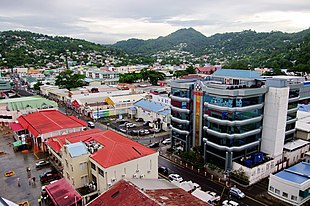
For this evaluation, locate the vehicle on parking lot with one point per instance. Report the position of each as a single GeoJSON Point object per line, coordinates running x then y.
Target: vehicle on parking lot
{"type": "Point", "coordinates": [139, 120]}
{"type": "Point", "coordinates": [124, 124]}
{"type": "Point", "coordinates": [146, 123]}
{"type": "Point", "coordinates": [130, 125]}
{"type": "Point", "coordinates": [49, 176]}
{"type": "Point", "coordinates": [42, 163]}
{"type": "Point", "coordinates": [230, 203]}
{"type": "Point", "coordinates": [166, 141]}
{"type": "Point", "coordinates": [146, 131]}
{"type": "Point", "coordinates": [163, 171]}
{"type": "Point", "coordinates": [91, 124]}
{"type": "Point", "coordinates": [154, 130]}
{"type": "Point", "coordinates": [123, 130]}
{"type": "Point", "coordinates": [133, 132]}
{"type": "Point", "coordinates": [234, 191]}
{"type": "Point", "coordinates": [214, 195]}
{"type": "Point", "coordinates": [154, 145]}
{"type": "Point", "coordinates": [175, 177]}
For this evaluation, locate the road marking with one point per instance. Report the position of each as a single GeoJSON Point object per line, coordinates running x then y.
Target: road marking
{"type": "Point", "coordinates": [256, 201]}
{"type": "Point", "coordinates": [222, 192]}
{"type": "Point", "coordinates": [163, 176]}
{"type": "Point", "coordinates": [36, 155]}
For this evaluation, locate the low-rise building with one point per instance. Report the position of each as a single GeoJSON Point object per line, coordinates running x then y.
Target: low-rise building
{"type": "Point", "coordinates": [157, 113]}
{"type": "Point", "coordinates": [303, 125]}
{"type": "Point", "coordinates": [307, 157]}
{"type": "Point", "coordinates": [294, 151]}
{"type": "Point", "coordinates": [291, 185]}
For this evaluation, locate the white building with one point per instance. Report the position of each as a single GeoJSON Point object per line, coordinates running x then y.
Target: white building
{"type": "Point", "coordinates": [295, 151]}
{"type": "Point", "coordinates": [291, 185]}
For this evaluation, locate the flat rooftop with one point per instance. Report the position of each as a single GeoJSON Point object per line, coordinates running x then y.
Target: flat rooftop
{"type": "Point", "coordinates": [298, 173]}
{"type": "Point", "coordinates": [296, 144]}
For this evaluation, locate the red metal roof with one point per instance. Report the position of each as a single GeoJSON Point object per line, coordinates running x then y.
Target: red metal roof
{"type": "Point", "coordinates": [123, 193]}
{"type": "Point", "coordinates": [208, 69]}
{"type": "Point", "coordinates": [62, 193]}
{"type": "Point", "coordinates": [16, 127]}
{"type": "Point", "coordinates": [116, 148]}
{"type": "Point", "coordinates": [48, 121]}
{"type": "Point", "coordinates": [56, 143]}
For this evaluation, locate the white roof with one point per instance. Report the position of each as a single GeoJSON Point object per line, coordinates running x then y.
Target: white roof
{"type": "Point", "coordinates": [153, 184]}
{"type": "Point", "coordinates": [97, 97]}
{"type": "Point", "coordinates": [295, 144]}
{"type": "Point", "coordinates": [303, 122]}
{"type": "Point", "coordinates": [127, 98]}
{"type": "Point", "coordinates": [202, 195]}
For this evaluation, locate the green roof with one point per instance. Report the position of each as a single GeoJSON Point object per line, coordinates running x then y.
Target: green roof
{"type": "Point", "coordinates": [35, 102]}
{"type": "Point", "coordinates": [4, 85]}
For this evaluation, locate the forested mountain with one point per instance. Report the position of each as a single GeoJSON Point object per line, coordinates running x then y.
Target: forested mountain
{"type": "Point", "coordinates": [184, 39]}
{"type": "Point", "coordinates": [23, 48]}
{"type": "Point", "coordinates": [252, 49]}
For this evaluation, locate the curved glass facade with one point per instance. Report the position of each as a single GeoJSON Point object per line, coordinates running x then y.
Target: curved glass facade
{"type": "Point", "coordinates": [232, 116]}
{"type": "Point", "coordinates": [180, 92]}
{"type": "Point", "coordinates": [233, 102]}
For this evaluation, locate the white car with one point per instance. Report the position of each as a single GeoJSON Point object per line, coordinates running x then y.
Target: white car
{"type": "Point", "coordinates": [167, 141]}
{"type": "Point", "coordinates": [91, 124]}
{"type": "Point", "coordinates": [175, 177]}
{"type": "Point", "coordinates": [230, 203]}
{"type": "Point", "coordinates": [214, 195]}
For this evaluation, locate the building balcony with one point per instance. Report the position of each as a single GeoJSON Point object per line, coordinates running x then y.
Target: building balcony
{"type": "Point", "coordinates": [231, 136]}
{"type": "Point", "coordinates": [294, 99]}
{"type": "Point", "coordinates": [233, 148]}
{"type": "Point", "coordinates": [187, 111]}
{"type": "Point", "coordinates": [180, 99]}
{"type": "Point", "coordinates": [182, 121]}
{"type": "Point", "coordinates": [291, 121]}
{"type": "Point", "coordinates": [233, 109]}
{"type": "Point", "coordinates": [293, 110]}
{"type": "Point", "coordinates": [233, 123]}
{"type": "Point", "coordinates": [290, 131]}
{"type": "Point", "coordinates": [180, 131]}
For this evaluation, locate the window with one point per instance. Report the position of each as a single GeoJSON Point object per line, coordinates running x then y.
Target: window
{"type": "Point", "coordinates": [93, 166]}
{"type": "Point", "coordinates": [277, 191]}
{"type": "Point", "coordinates": [101, 172]}
{"type": "Point", "coordinates": [284, 194]}
{"type": "Point", "coordinates": [271, 188]}
{"type": "Point", "coordinates": [293, 197]}
{"type": "Point", "coordinates": [84, 180]}
{"type": "Point", "coordinates": [83, 166]}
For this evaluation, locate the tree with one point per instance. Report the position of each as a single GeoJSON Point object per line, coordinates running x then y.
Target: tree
{"type": "Point", "coordinates": [37, 85]}
{"type": "Point", "coordinates": [67, 79]}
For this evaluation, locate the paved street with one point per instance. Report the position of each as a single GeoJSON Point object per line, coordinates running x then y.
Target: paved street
{"type": "Point", "coordinates": [18, 162]}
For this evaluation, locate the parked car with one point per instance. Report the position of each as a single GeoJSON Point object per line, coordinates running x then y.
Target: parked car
{"type": "Point", "coordinates": [124, 124]}
{"type": "Point", "coordinates": [146, 131]}
{"type": "Point", "coordinates": [49, 176]}
{"type": "Point", "coordinates": [175, 177]}
{"type": "Point", "coordinates": [130, 125]}
{"type": "Point", "coordinates": [230, 203]}
{"type": "Point", "coordinates": [123, 130]}
{"type": "Point", "coordinates": [214, 195]}
{"type": "Point", "coordinates": [139, 120]}
{"type": "Point", "coordinates": [146, 123]}
{"type": "Point", "coordinates": [166, 141]}
{"type": "Point", "coordinates": [154, 145]}
{"type": "Point", "coordinates": [236, 192]}
{"type": "Point", "coordinates": [133, 132]}
{"type": "Point", "coordinates": [91, 124]}
{"type": "Point", "coordinates": [163, 171]}
{"type": "Point", "coordinates": [42, 163]}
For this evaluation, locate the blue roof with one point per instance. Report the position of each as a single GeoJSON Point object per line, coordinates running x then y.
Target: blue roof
{"type": "Point", "coordinates": [246, 74]}
{"type": "Point", "coordinates": [77, 149]}
{"type": "Point", "coordinates": [298, 173]}
{"type": "Point", "coordinates": [304, 107]}
{"type": "Point", "coordinates": [153, 106]}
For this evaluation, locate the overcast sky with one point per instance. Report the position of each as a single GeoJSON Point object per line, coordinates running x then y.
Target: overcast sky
{"type": "Point", "coordinates": [108, 21]}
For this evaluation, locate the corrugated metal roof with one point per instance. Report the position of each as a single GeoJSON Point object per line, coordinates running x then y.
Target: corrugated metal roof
{"type": "Point", "coordinates": [77, 149]}
{"type": "Point", "coordinates": [298, 173]}
{"type": "Point", "coordinates": [34, 102]}
{"type": "Point", "coordinates": [153, 106]}
{"type": "Point", "coordinates": [245, 74]}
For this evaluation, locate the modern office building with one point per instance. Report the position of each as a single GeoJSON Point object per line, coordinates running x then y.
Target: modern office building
{"type": "Point", "coordinates": [235, 113]}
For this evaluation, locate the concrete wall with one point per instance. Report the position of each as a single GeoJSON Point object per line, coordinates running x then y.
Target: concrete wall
{"type": "Point", "coordinates": [302, 135]}
{"type": "Point", "coordinates": [73, 168]}
{"type": "Point", "coordinates": [288, 187]}
{"type": "Point", "coordinates": [145, 167]}
{"type": "Point", "coordinates": [295, 156]}
{"type": "Point", "coordinates": [274, 123]}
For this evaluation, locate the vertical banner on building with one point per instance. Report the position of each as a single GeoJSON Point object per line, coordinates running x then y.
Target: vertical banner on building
{"type": "Point", "coordinates": [198, 99]}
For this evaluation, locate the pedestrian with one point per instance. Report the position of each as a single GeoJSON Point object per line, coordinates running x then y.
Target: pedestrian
{"type": "Point", "coordinates": [34, 180]}
{"type": "Point", "coordinates": [29, 180]}
{"type": "Point", "coordinates": [18, 182]}
{"type": "Point", "coordinates": [39, 201]}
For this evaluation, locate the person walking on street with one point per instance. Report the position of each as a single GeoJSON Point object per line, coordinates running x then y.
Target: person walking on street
{"type": "Point", "coordinates": [33, 180]}
{"type": "Point", "coordinates": [29, 180]}
{"type": "Point", "coordinates": [18, 182]}
{"type": "Point", "coordinates": [39, 201]}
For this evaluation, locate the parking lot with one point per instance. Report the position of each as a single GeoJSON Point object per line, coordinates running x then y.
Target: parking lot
{"type": "Point", "coordinates": [18, 162]}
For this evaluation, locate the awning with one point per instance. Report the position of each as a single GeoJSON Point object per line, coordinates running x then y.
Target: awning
{"type": "Point", "coordinates": [62, 193]}
{"type": "Point", "coordinates": [16, 127]}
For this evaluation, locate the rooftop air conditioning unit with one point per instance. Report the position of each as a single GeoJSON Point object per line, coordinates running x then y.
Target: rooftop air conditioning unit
{"type": "Point", "coordinates": [123, 175]}
{"type": "Point", "coordinates": [113, 179]}
{"type": "Point", "coordinates": [142, 176]}
{"type": "Point", "coordinates": [135, 175]}
{"type": "Point", "coordinates": [109, 184]}
{"type": "Point", "coordinates": [137, 170]}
